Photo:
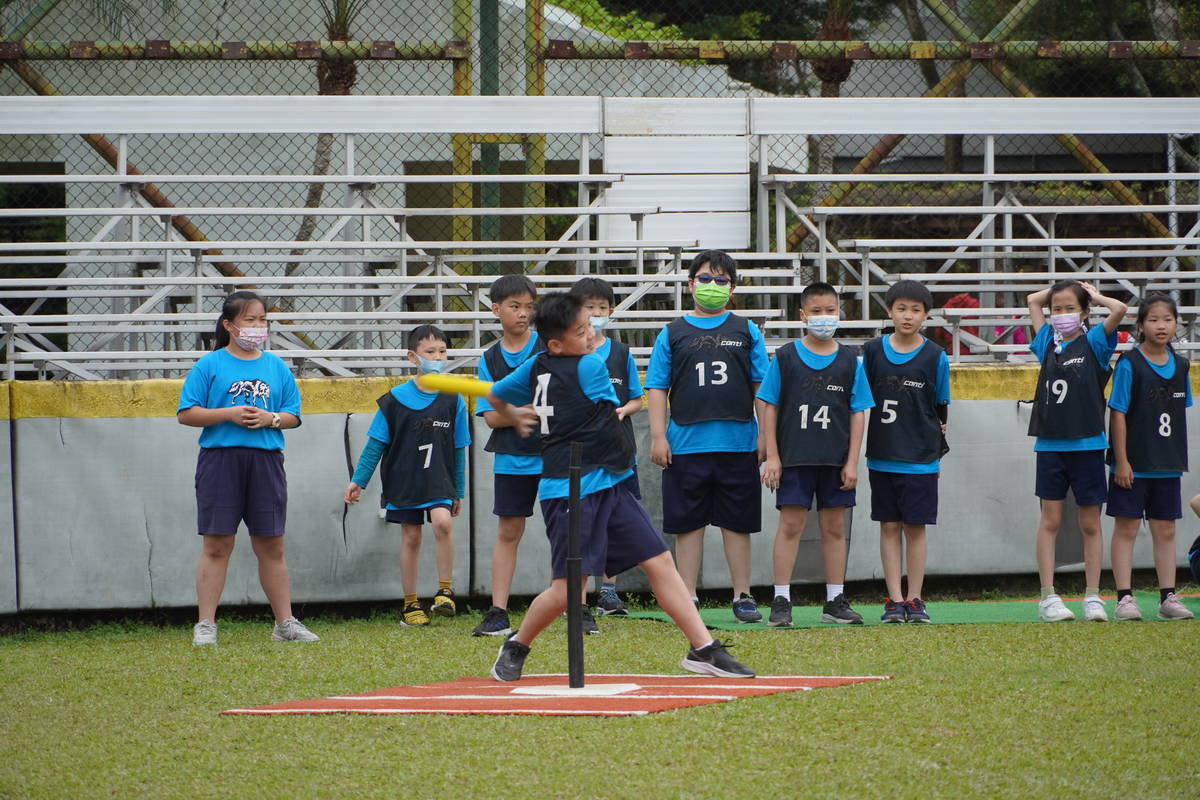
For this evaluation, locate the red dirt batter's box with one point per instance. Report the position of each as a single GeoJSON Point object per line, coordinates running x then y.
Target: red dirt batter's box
{"type": "Point", "coordinates": [602, 696]}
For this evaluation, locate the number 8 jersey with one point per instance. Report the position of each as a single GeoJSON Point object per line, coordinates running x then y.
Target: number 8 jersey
{"type": "Point", "coordinates": [1069, 401]}
{"type": "Point", "coordinates": [710, 371]}
{"type": "Point", "coordinates": [1155, 414]}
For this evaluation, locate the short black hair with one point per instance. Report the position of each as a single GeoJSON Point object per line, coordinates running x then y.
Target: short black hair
{"type": "Point", "coordinates": [717, 260]}
{"type": "Point", "coordinates": [594, 289]}
{"type": "Point", "coordinates": [510, 286]}
{"type": "Point", "coordinates": [818, 289]}
{"type": "Point", "coordinates": [909, 290]}
{"type": "Point", "coordinates": [423, 332]}
{"type": "Point", "coordinates": [555, 314]}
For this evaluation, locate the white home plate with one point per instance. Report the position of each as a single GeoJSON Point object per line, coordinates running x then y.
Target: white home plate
{"type": "Point", "coordinates": [594, 690]}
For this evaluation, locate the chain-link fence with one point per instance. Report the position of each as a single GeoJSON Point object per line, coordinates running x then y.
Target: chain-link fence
{"type": "Point", "coordinates": [691, 48]}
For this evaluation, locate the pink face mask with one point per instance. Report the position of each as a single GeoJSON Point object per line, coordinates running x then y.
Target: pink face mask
{"type": "Point", "coordinates": [1065, 324]}
{"type": "Point", "coordinates": [251, 338]}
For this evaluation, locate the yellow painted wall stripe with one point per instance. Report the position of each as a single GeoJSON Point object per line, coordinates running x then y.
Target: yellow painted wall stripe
{"type": "Point", "coordinates": [159, 398]}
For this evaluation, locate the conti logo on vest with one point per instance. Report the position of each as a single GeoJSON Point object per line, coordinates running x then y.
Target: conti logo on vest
{"type": "Point", "coordinates": [428, 422]}
{"type": "Point", "coordinates": [1071, 361]}
{"type": "Point", "coordinates": [712, 342]}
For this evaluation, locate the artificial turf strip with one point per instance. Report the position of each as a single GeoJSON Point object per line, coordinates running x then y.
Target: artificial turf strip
{"type": "Point", "coordinates": [939, 612]}
{"type": "Point", "coordinates": [996, 711]}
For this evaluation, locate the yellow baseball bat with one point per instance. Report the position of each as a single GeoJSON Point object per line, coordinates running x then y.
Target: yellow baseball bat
{"type": "Point", "coordinates": [455, 384]}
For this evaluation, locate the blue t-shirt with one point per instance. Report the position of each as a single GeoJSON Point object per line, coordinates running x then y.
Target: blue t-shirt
{"type": "Point", "coordinates": [1118, 399]}
{"type": "Point", "coordinates": [713, 436]}
{"type": "Point", "coordinates": [594, 382]}
{"type": "Point", "coordinates": [860, 393]}
{"type": "Point", "coordinates": [1103, 346]}
{"type": "Point", "coordinates": [507, 463]}
{"type": "Point", "coordinates": [408, 394]}
{"type": "Point", "coordinates": [221, 379]}
{"type": "Point", "coordinates": [634, 382]}
{"type": "Point", "coordinates": [941, 397]}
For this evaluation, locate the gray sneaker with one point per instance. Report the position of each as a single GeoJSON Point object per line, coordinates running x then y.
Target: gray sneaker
{"type": "Point", "coordinates": [781, 612]}
{"type": "Point", "coordinates": [204, 632]}
{"type": "Point", "coordinates": [293, 630]}
{"type": "Point", "coordinates": [1171, 608]}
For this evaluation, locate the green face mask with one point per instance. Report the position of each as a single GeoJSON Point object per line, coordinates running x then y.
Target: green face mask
{"type": "Point", "coordinates": [711, 296]}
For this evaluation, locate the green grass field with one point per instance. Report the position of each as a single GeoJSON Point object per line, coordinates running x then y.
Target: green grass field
{"type": "Point", "coordinates": [1009, 710]}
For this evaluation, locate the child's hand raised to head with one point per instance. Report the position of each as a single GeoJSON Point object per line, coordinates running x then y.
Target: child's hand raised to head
{"type": "Point", "coordinates": [352, 494]}
{"type": "Point", "coordinates": [1092, 291]}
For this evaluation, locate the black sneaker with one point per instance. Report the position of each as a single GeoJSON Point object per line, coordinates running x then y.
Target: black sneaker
{"type": "Point", "coordinates": [893, 611]}
{"type": "Point", "coordinates": [915, 610]}
{"type": "Point", "coordinates": [714, 659]}
{"type": "Point", "coordinates": [746, 610]}
{"type": "Point", "coordinates": [589, 622]}
{"type": "Point", "coordinates": [495, 623]}
{"type": "Point", "coordinates": [781, 613]}
{"type": "Point", "coordinates": [510, 660]}
{"type": "Point", "coordinates": [607, 602]}
{"type": "Point", "coordinates": [838, 611]}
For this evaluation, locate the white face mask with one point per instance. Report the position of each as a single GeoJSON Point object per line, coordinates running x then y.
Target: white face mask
{"type": "Point", "coordinates": [251, 338]}
{"type": "Point", "coordinates": [823, 327]}
{"type": "Point", "coordinates": [599, 323]}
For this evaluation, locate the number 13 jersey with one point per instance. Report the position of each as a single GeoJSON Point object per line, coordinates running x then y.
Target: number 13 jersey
{"type": "Point", "coordinates": [710, 371]}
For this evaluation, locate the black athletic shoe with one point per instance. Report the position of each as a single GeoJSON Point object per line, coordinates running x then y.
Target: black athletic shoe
{"type": "Point", "coordinates": [781, 613]}
{"type": "Point", "coordinates": [746, 610]}
{"type": "Point", "coordinates": [839, 612]}
{"type": "Point", "coordinates": [915, 610]}
{"type": "Point", "coordinates": [1194, 559]}
{"type": "Point", "coordinates": [495, 623]}
{"type": "Point", "coordinates": [714, 659]}
{"type": "Point", "coordinates": [589, 622]}
{"type": "Point", "coordinates": [510, 660]}
{"type": "Point", "coordinates": [893, 611]}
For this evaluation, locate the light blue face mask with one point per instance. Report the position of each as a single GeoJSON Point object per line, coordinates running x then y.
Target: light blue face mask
{"type": "Point", "coordinates": [599, 323]}
{"type": "Point", "coordinates": [428, 366]}
{"type": "Point", "coordinates": [823, 327]}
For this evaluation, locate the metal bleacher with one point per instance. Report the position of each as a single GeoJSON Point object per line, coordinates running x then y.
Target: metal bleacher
{"type": "Point", "coordinates": [141, 294]}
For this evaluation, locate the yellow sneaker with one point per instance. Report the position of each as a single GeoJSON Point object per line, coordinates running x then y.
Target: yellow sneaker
{"type": "Point", "coordinates": [413, 616]}
{"type": "Point", "coordinates": [443, 603]}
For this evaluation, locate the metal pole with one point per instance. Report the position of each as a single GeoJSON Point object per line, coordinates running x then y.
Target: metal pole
{"type": "Point", "coordinates": [574, 572]}
{"type": "Point", "coordinates": [1172, 199]}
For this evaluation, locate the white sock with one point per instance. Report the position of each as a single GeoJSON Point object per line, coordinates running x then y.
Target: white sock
{"type": "Point", "coordinates": [710, 644]}
{"type": "Point", "coordinates": [832, 590]}
{"type": "Point", "coordinates": [784, 591]}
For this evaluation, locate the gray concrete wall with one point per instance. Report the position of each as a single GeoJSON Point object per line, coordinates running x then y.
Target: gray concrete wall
{"type": "Point", "coordinates": [8, 540]}
{"type": "Point", "coordinates": [106, 515]}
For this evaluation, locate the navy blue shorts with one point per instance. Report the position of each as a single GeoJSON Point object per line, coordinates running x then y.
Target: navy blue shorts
{"type": "Point", "coordinates": [1151, 498]}
{"type": "Point", "coordinates": [236, 484]}
{"type": "Point", "coordinates": [413, 516]}
{"type": "Point", "coordinates": [1082, 471]}
{"type": "Point", "coordinates": [514, 495]}
{"type": "Point", "coordinates": [904, 497]}
{"type": "Point", "coordinates": [634, 485]}
{"type": "Point", "coordinates": [798, 485]}
{"type": "Point", "coordinates": [615, 532]}
{"type": "Point", "coordinates": [721, 489]}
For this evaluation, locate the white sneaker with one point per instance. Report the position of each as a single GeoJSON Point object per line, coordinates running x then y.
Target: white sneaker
{"type": "Point", "coordinates": [1051, 609]}
{"type": "Point", "coordinates": [293, 630]}
{"type": "Point", "coordinates": [1093, 609]}
{"type": "Point", "coordinates": [1127, 609]}
{"type": "Point", "coordinates": [204, 632]}
{"type": "Point", "coordinates": [1171, 608]}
